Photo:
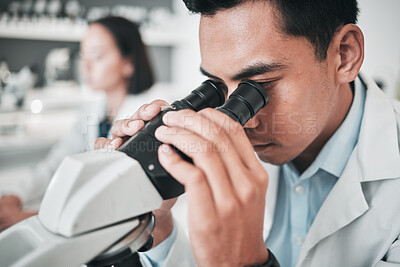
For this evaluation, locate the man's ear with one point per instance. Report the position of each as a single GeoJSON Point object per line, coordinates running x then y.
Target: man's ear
{"type": "Point", "coordinates": [348, 48]}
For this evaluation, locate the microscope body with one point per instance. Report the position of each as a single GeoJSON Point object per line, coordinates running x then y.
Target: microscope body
{"type": "Point", "coordinates": [94, 200]}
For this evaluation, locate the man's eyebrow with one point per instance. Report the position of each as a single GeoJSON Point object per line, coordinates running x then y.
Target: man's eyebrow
{"type": "Point", "coordinates": [249, 71]}
{"type": "Point", "coordinates": [257, 69]}
{"type": "Point", "coordinates": [209, 75]}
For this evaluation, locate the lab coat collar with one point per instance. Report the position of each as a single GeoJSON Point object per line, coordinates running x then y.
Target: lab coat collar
{"type": "Point", "coordinates": [378, 149]}
{"type": "Point", "coordinates": [344, 204]}
{"type": "Point", "coordinates": [375, 157]}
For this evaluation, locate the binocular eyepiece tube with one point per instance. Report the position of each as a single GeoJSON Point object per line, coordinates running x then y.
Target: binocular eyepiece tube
{"type": "Point", "coordinates": [245, 102]}
{"type": "Point", "coordinates": [241, 106]}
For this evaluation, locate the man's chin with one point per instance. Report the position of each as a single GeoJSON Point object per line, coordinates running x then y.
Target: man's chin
{"type": "Point", "coordinates": [272, 158]}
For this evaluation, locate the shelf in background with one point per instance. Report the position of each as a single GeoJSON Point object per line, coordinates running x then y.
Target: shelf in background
{"type": "Point", "coordinates": [74, 33]}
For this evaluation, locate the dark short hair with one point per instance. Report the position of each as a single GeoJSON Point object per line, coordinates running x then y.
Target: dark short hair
{"type": "Point", "coordinates": [316, 20]}
{"type": "Point", "coordinates": [129, 42]}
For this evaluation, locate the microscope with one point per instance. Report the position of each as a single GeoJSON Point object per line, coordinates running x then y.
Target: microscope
{"type": "Point", "coordinates": [97, 207]}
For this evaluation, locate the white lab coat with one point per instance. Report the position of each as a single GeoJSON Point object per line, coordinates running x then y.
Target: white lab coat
{"type": "Point", "coordinates": [358, 224]}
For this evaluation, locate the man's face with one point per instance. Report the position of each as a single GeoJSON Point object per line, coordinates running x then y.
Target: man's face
{"type": "Point", "coordinates": [246, 42]}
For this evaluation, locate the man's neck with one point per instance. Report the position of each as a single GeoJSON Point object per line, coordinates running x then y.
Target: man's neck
{"type": "Point", "coordinates": [305, 159]}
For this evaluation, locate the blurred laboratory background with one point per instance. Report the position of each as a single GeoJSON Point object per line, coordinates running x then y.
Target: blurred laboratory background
{"type": "Point", "coordinates": [41, 89]}
{"type": "Point", "coordinates": [41, 85]}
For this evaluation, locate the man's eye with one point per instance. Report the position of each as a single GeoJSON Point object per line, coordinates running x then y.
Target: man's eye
{"type": "Point", "coordinates": [266, 85]}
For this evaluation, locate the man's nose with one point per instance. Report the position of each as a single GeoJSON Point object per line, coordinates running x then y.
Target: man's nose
{"type": "Point", "coordinates": [252, 123]}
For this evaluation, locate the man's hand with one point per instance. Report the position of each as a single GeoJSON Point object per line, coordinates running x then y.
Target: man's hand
{"type": "Point", "coordinates": [129, 127]}
{"type": "Point", "coordinates": [226, 186]}
{"type": "Point", "coordinates": [11, 213]}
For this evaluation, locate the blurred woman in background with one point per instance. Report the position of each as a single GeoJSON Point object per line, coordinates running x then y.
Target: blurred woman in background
{"type": "Point", "coordinates": [114, 61]}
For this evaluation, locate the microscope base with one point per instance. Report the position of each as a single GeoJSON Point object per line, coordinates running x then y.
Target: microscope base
{"type": "Point", "coordinates": [30, 244]}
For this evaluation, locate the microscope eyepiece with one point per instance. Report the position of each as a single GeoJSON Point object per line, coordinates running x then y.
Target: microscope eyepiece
{"type": "Point", "coordinates": [245, 101]}
{"type": "Point", "coordinates": [241, 106]}
{"type": "Point", "coordinates": [209, 94]}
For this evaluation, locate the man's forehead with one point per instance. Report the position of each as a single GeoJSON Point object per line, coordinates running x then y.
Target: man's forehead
{"type": "Point", "coordinates": [237, 31]}
{"type": "Point", "coordinates": [250, 13]}
{"type": "Point", "coordinates": [241, 41]}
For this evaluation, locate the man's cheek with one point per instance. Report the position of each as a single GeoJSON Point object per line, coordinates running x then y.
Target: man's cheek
{"type": "Point", "coordinates": [275, 123]}
{"type": "Point", "coordinates": [295, 126]}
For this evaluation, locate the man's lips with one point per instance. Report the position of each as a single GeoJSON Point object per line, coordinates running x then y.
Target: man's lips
{"type": "Point", "coordinates": [261, 147]}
